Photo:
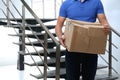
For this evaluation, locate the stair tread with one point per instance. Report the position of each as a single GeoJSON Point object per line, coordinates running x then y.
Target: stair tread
{"type": "Point", "coordinates": [31, 35]}
{"type": "Point", "coordinates": [51, 52]}
{"type": "Point", "coordinates": [20, 34]}
{"type": "Point", "coordinates": [51, 74]}
{"type": "Point", "coordinates": [105, 77]}
{"type": "Point", "coordinates": [102, 66]}
{"type": "Point", "coordinates": [33, 42]}
{"type": "Point", "coordinates": [53, 61]}
{"type": "Point", "coordinates": [49, 61]}
{"type": "Point", "coordinates": [50, 44]}
{"type": "Point", "coordinates": [3, 23]}
{"type": "Point", "coordinates": [32, 20]}
{"type": "Point", "coordinates": [19, 25]}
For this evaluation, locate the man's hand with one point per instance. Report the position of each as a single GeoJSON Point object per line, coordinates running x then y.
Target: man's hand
{"type": "Point", "coordinates": [102, 19]}
{"type": "Point", "coordinates": [106, 29]}
{"type": "Point", "coordinates": [62, 40]}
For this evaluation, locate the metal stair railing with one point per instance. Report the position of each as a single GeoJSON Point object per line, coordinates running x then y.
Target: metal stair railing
{"type": "Point", "coordinates": [47, 33]}
{"type": "Point", "coordinates": [20, 24]}
{"type": "Point", "coordinates": [109, 51]}
{"type": "Point", "coordinates": [22, 40]}
{"type": "Point", "coordinates": [110, 56]}
{"type": "Point", "coordinates": [52, 37]}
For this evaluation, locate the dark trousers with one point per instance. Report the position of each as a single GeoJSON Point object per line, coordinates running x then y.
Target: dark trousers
{"type": "Point", "coordinates": [80, 64]}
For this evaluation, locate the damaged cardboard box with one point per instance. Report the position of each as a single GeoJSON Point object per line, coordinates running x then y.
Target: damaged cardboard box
{"type": "Point", "coordinates": [85, 37]}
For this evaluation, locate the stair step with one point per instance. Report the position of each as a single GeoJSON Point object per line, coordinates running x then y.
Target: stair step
{"type": "Point", "coordinates": [39, 35]}
{"type": "Point", "coordinates": [51, 44]}
{"type": "Point", "coordinates": [106, 78]}
{"type": "Point", "coordinates": [32, 20]}
{"type": "Point", "coordinates": [102, 66]}
{"type": "Point", "coordinates": [51, 53]}
{"type": "Point", "coordinates": [103, 75]}
{"type": "Point", "coordinates": [51, 74]}
{"type": "Point", "coordinates": [50, 62]}
{"type": "Point", "coordinates": [3, 23]}
{"type": "Point", "coordinates": [36, 28]}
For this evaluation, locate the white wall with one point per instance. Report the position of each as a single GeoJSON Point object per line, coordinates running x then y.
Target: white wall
{"type": "Point", "coordinates": [51, 8]}
{"type": "Point", "coordinates": [37, 6]}
{"type": "Point", "coordinates": [112, 11]}
{"type": "Point", "coordinates": [3, 8]}
{"type": "Point", "coordinates": [18, 5]}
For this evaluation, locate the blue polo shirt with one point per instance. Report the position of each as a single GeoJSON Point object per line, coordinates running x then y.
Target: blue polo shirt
{"type": "Point", "coordinates": [84, 11]}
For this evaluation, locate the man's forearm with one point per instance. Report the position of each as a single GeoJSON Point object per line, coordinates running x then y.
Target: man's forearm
{"type": "Point", "coordinates": [102, 19]}
{"type": "Point", "coordinates": [58, 32]}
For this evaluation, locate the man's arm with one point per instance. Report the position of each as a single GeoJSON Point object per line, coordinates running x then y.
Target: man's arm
{"type": "Point", "coordinates": [102, 19]}
{"type": "Point", "coordinates": [58, 29]}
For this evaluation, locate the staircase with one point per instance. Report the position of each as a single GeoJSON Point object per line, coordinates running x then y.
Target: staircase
{"type": "Point", "coordinates": [38, 35]}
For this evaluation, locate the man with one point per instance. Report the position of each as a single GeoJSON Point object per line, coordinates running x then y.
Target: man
{"type": "Point", "coordinates": [88, 10]}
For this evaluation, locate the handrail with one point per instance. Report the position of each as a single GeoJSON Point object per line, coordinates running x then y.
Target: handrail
{"type": "Point", "coordinates": [52, 37]}
{"type": "Point", "coordinates": [58, 44]}
{"type": "Point", "coordinates": [57, 48]}
{"type": "Point", "coordinates": [40, 22]}
{"type": "Point", "coordinates": [117, 33]}
{"type": "Point", "coordinates": [21, 27]}
{"type": "Point", "coordinates": [110, 51]}
{"type": "Point", "coordinates": [20, 24]}
{"type": "Point", "coordinates": [30, 29]}
{"type": "Point", "coordinates": [21, 40]}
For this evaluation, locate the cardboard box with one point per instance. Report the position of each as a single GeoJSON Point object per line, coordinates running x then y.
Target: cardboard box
{"type": "Point", "coordinates": [85, 37]}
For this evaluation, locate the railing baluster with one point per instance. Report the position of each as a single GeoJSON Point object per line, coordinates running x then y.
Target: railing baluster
{"type": "Point", "coordinates": [20, 64]}
{"type": "Point", "coordinates": [109, 56]}
{"type": "Point", "coordinates": [57, 44]}
{"type": "Point", "coordinates": [45, 56]}
{"type": "Point", "coordinates": [58, 62]}
{"type": "Point", "coordinates": [52, 37]}
{"type": "Point", "coordinates": [8, 14]}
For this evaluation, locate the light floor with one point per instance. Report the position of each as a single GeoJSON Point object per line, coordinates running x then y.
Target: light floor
{"type": "Point", "coordinates": [11, 73]}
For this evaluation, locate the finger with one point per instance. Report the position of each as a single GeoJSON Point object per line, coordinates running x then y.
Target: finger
{"type": "Point", "coordinates": [62, 42]}
{"type": "Point", "coordinates": [107, 31]}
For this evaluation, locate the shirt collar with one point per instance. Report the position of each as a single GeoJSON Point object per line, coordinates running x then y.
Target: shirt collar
{"type": "Point", "coordinates": [79, 0]}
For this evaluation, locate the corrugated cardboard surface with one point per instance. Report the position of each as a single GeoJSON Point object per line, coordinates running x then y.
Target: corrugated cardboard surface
{"type": "Point", "coordinates": [85, 37]}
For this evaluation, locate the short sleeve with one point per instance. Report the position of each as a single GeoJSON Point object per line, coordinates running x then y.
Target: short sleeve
{"type": "Point", "coordinates": [63, 8]}
{"type": "Point", "coordinates": [100, 8]}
